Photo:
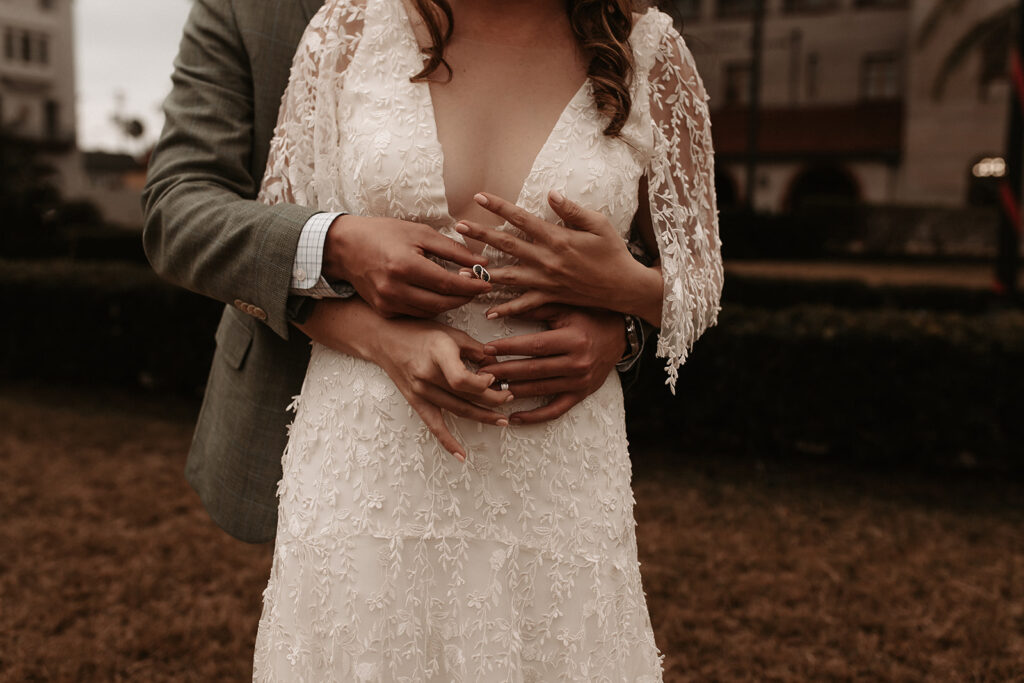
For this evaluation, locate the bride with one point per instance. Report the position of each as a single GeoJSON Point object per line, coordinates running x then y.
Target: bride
{"type": "Point", "coordinates": [539, 133]}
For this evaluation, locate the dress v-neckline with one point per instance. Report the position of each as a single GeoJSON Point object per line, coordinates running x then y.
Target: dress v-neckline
{"type": "Point", "coordinates": [427, 100]}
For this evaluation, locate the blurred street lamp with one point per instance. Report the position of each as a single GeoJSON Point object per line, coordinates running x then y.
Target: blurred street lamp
{"type": "Point", "coordinates": [990, 168]}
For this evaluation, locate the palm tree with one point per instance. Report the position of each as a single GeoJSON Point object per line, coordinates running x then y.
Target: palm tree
{"type": "Point", "coordinates": [992, 37]}
{"type": "Point", "coordinates": [997, 36]}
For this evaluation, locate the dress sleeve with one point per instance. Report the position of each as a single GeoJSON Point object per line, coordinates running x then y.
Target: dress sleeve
{"type": "Point", "coordinates": [681, 194]}
{"type": "Point", "coordinates": [327, 43]}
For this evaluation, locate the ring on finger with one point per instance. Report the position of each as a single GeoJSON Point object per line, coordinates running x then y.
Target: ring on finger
{"type": "Point", "coordinates": [503, 385]}
{"type": "Point", "coordinates": [480, 273]}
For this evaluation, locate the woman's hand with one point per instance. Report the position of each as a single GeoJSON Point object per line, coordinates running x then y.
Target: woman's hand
{"type": "Point", "coordinates": [424, 359]}
{"type": "Point", "coordinates": [583, 264]}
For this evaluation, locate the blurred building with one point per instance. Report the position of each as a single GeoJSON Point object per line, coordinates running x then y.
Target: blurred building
{"type": "Point", "coordinates": [37, 75]}
{"type": "Point", "coordinates": [849, 105]}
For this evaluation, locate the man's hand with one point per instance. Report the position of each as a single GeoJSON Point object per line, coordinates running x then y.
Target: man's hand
{"type": "Point", "coordinates": [386, 260]}
{"type": "Point", "coordinates": [568, 362]}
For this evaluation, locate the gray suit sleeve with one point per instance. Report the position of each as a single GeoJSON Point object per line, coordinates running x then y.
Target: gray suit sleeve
{"type": "Point", "coordinates": [203, 229]}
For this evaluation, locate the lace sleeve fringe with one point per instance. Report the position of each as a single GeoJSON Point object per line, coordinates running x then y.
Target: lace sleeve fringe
{"type": "Point", "coordinates": [682, 199]}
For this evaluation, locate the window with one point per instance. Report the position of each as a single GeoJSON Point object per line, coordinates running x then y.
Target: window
{"type": "Point", "coordinates": [52, 119]}
{"type": "Point", "coordinates": [736, 8]}
{"type": "Point", "coordinates": [26, 47]}
{"type": "Point", "coordinates": [9, 44]}
{"type": "Point", "coordinates": [46, 4]}
{"type": "Point", "coordinates": [43, 49]}
{"type": "Point", "coordinates": [812, 76]}
{"type": "Point", "coordinates": [737, 83]}
{"type": "Point", "coordinates": [794, 6]}
{"type": "Point", "coordinates": [880, 76]}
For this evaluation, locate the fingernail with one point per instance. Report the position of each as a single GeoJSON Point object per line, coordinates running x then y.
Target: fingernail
{"type": "Point", "coordinates": [460, 456]}
{"type": "Point", "coordinates": [556, 196]}
{"type": "Point", "coordinates": [463, 273]}
{"type": "Point", "coordinates": [516, 421]}
{"type": "Point", "coordinates": [510, 398]}
{"type": "Point", "coordinates": [502, 422]}
{"type": "Point", "coordinates": [461, 227]}
{"type": "Point", "coordinates": [490, 351]}
{"type": "Point", "coordinates": [489, 377]}
{"type": "Point", "coordinates": [492, 315]}
{"type": "Point", "coordinates": [480, 199]}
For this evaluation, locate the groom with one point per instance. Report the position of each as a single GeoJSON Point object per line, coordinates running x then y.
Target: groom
{"type": "Point", "coordinates": [270, 264]}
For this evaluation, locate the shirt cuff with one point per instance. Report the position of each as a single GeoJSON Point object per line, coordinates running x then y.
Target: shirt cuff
{"type": "Point", "coordinates": [307, 275]}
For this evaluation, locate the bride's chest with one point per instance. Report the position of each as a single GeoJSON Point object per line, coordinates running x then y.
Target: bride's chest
{"type": "Point", "coordinates": [419, 152]}
{"type": "Point", "coordinates": [515, 102]}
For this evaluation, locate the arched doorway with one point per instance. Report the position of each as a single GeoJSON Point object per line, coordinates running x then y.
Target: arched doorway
{"type": "Point", "coordinates": [821, 185]}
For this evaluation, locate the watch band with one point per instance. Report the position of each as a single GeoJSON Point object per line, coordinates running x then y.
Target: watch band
{"type": "Point", "coordinates": [634, 343]}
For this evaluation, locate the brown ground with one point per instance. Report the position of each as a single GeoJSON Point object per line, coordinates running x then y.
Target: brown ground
{"type": "Point", "coordinates": [110, 571]}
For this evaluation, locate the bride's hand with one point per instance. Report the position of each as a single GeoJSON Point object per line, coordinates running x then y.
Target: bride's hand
{"type": "Point", "coordinates": [424, 359]}
{"type": "Point", "coordinates": [584, 264]}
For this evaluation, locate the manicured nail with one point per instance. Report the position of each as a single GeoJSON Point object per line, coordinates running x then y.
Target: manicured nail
{"type": "Point", "coordinates": [490, 350]}
{"type": "Point", "coordinates": [556, 196]}
{"type": "Point", "coordinates": [502, 422]}
{"type": "Point", "coordinates": [489, 377]}
{"type": "Point", "coordinates": [460, 456]}
{"type": "Point", "coordinates": [466, 273]}
{"type": "Point", "coordinates": [516, 421]}
{"type": "Point", "coordinates": [480, 199]}
{"type": "Point", "coordinates": [510, 398]}
{"type": "Point", "coordinates": [462, 227]}
{"type": "Point", "coordinates": [492, 315]}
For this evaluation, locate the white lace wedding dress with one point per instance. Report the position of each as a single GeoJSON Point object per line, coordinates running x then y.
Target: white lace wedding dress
{"type": "Point", "coordinates": [393, 561]}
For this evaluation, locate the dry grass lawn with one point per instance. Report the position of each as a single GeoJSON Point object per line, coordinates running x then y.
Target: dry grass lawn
{"type": "Point", "coordinates": [110, 570]}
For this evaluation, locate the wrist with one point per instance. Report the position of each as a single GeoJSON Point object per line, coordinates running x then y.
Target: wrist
{"type": "Point", "coordinates": [336, 245]}
{"type": "Point", "coordinates": [644, 293]}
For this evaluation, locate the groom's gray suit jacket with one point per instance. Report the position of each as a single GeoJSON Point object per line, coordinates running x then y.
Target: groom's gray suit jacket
{"type": "Point", "coordinates": [205, 231]}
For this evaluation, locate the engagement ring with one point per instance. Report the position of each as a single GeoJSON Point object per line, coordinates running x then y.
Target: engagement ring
{"type": "Point", "coordinates": [481, 273]}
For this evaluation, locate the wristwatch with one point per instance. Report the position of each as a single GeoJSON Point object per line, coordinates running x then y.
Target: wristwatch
{"type": "Point", "coordinates": [634, 343]}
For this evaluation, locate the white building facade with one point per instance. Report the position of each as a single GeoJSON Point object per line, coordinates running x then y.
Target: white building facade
{"type": "Point", "coordinates": [37, 74]}
{"type": "Point", "coordinates": [847, 102]}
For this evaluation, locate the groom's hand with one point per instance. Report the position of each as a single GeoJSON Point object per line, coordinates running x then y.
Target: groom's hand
{"type": "Point", "coordinates": [568, 362]}
{"type": "Point", "coordinates": [386, 260]}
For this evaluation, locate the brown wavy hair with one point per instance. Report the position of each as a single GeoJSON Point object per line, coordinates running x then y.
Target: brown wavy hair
{"type": "Point", "coordinates": [602, 29]}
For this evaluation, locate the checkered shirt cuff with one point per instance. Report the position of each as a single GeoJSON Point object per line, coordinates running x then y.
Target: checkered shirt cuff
{"type": "Point", "coordinates": [307, 278]}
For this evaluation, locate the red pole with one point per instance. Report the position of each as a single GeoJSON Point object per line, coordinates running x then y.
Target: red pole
{"type": "Point", "coordinates": [1010, 228]}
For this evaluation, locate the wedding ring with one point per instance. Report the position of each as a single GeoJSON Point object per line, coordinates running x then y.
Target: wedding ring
{"type": "Point", "coordinates": [503, 385]}
{"type": "Point", "coordinates": [481, 273]}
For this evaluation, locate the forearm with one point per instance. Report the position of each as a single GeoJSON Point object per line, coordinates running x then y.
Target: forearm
{"type": "Point", "coordinates": [349, 326]}
{"type": "Point", "coordinates": [642, 294]}
{"type": "Point", "coordinates": [211, 241]}
{"type": "Point", "coordinates": [203, 229]}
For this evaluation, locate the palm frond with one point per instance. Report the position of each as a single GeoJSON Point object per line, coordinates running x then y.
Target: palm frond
{"type": "Point", "coordinates": [997, 27]}
{"type": "Point", "coordinates": [936, 16]}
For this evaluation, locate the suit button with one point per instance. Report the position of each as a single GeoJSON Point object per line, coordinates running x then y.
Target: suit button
{"type": "Point", "coordinates": [259, 313]}
{"type": "Point", "coordinates": [300, 274]}
{"type": "Point", "coordinates": [239, 304]}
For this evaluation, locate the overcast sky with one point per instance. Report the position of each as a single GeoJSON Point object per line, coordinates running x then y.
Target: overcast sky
{"type": "Point", "coordinates": [124, 47]}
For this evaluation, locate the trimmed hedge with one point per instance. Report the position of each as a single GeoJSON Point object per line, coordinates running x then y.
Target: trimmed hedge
{"type": "Point", "coordinates": [897, 383]}
{"type": "Point", "coordinates": [881, 385]}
